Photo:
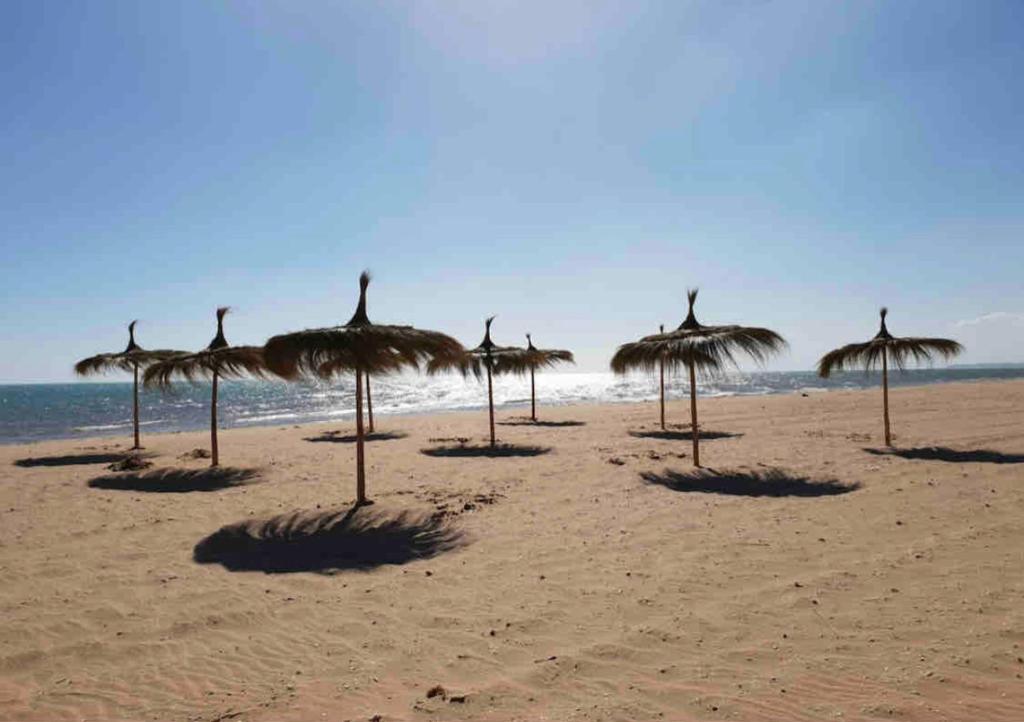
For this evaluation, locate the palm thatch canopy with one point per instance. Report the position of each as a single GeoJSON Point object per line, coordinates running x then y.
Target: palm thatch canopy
{"type": "Point", "coordinates": [218, 358]}
{"type": "Point", "coordinates": [899, 351]}
{"type": "Point", "coordinates": [133, 356]}
{"type": "Point", "coordinates": [359, 344]}
{"type": "Point", "coordinates": [488, 355]}
{"type": "Point", "coordinates": [545, 358]}
{"type": "Point", "coordinates": [709, 349]}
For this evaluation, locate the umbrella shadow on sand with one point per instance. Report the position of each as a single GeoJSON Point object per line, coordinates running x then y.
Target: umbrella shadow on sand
{"type": "Point", "coordinates": [942, 453]}
{"type": "Point", "coordinates": [71, 460]}
{"type": "Point", "coordinates": [498, 450]}
{"type": "Point", "coordinates": [773, 482]}
{"type": "Point", "coordinates": [358, 538]}
{"type": "Point", "coordinates": [543, 424]}
{"type": "Point", "coordinates": [178, 481]}
{"type": "Point", "coordinates": [684, 435]}
{"type": "Point", "coordinates": [336, 437]}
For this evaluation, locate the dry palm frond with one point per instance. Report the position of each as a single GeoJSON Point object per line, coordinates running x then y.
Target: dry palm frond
{"type": "Point", "coordinates": [217, 358]}
{"type": "Point", "coordinates": [359, 344]}
{"type": "Point", "coordinates": [226, 362]}
{"type": "Point", "coordinates": [709, 349]}
{"type": "Point", "coordinates": [476, 361]}
{"type": "Point", "coordinates": [545, 358]}
{"type": "Point", "coordinates": [125, 360]}
{"type": "Point", "coordinates": [899, 350]}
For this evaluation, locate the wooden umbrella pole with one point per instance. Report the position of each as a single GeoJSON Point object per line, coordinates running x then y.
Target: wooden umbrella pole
{"type": "Point", "coordinates": [214, 455]}
{"type": "Point", "coordinates": [490, 401]}
{"type": "Point", "coordinates": [533, 397]}
{"type": "Point", "coordinates": [693, 415]}
{"type": "Point", "coordinates": [369, 404]}
{"type": "Point", "coordinates": [885, 395]}
{"type": "Point", "coordinates": [661, 368]}
{"type": "Point", "coordinates": [360, 473]}
{"type": "Point", "coordinates": [135, 406]}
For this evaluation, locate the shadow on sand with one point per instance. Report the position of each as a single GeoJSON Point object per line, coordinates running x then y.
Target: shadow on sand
{"type": "Point", "coordinates": [335, 437]}
{"type": "Point", "coordinates": [72, 459]}
{"type": "Point", "coordinates": [544, 424]}
{"type": "Point", "coordinates": [486, 451]}
{"type": "Point", "coordinates": [177, 481]}
{"type": "Point", "coordinates": [328, 542]}
{"type": "Point", "coordinates": [774, 482]}
{"type": "Point", "coordinates": [684, 435]}
{"type": "Point", "coordinates": [941, 453]}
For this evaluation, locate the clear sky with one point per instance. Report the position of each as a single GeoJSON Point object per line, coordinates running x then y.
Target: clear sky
{"type": "Point", "coordinates": [571, 166]}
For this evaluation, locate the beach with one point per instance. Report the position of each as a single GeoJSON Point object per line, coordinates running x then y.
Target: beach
{"type": "Point", "coordinates": [586, 573]}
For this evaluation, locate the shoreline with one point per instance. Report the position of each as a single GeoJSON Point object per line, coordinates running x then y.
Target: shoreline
{"type": "Point", "coordinates": [349, 415]}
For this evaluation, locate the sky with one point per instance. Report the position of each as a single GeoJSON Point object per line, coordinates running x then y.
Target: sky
{"type": "Point", "coordinates": [572, 167]}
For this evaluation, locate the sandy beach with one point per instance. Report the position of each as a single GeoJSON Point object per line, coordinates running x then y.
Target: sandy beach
{"type": "Point", "coordinates": [585, 574]}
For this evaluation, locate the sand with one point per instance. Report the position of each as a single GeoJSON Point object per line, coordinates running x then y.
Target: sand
{"type": "Point", "coordinates": [800, 577]}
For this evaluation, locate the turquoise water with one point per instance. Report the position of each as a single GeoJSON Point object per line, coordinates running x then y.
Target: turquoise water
{"type": "Point", "coordinates": [34, 412]}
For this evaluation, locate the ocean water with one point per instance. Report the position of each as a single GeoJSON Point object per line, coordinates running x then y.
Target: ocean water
{"type": "Point", "coordinates": [33, 412]}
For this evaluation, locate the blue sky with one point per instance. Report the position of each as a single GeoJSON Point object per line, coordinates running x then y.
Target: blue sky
{"type": "Point", "coordinates": [572, 167]}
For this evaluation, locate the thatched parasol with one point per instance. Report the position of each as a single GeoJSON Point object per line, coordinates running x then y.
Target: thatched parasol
{"type": "Point", "coordinates": [133, 358]}
{"type": "Point", "coordinates": [486, 359]}
{"type": "Point", "coordinates": [218, 360]}
{"type": "Point", "coordinates": [361, 347]}
{"type": "Point", "coordinates": [879, 350]}
{"type": "Point", "coordinates": [542, 358]}
{"type": "Point", "coordinates": [705, 349]}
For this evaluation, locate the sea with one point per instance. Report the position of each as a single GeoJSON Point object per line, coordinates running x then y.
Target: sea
{"type": "Point", "coordinates": [35, 412]}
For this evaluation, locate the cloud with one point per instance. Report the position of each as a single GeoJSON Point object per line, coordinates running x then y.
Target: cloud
{"type": "Point", "coordinates": [996, 317]}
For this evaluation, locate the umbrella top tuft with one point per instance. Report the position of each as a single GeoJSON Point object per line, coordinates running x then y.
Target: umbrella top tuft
{"type": "Point", "coordinates": [883, 332]}
{"type": "Point", "coordinates": [487, 344]}
{"type": "Point", "coordinates": [219, 341]}
{"type": "Point", "coordinates": [132, 346]}
{"type": "Point", "coordinates": [359, 318]}
{"type": "Point", "coordinates": [690, 322]}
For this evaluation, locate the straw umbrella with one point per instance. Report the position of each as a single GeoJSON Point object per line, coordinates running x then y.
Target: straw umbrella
{"type": "Point", "coordinates": [707, 350]}
{"type": "Point", "coordinates": [542, 358]}
{"type": "Point", "coordinates": [486, 359]}
{"type": "Point", "coordinates": [879, 350]}
{"type": "Point", "coordinates": [133, 358]}
{"type": "Point", "coordinates": [358, 347]}
{"type": "Point", "coordinates": [217, 361]}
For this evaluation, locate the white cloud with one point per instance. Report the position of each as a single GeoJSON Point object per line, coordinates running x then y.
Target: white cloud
{"type": "Point", "coordinates": [996, 317]}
